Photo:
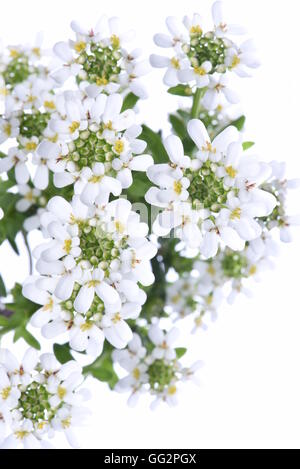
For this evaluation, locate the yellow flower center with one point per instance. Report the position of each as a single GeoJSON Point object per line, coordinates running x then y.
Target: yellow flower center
{"type": "Point", "coordinates": [74, 126]}
{"type": "Point", "coordinates": [177, 187]}
{"type": "Point", "coordinates": [115, 41]}
{"type": "Point", "coordinates": [20, 435]}
{"type": "Point", "coordinates": [49, 104]}
{"type": "Point", "coordinates": [14, 53]}
{"type": "Point", "coordinates": [95, 179]}
{"type": "Point", "coordinates": [236, 214]}
{"type": "Point", "coordinates": [252, 270]}
{"type": "Point", "coordinates": [172, 390]}
{"type": "Point", "coordinates": [176, 298]}
{"type": "Point", "coordinates": [136, 373]}
{"type": "Point", "coordinates": [119, 146]}
{"type": "Point", "coordinates": [36, 51]}
{"type": "Point", "coordinates": [80, 46]}
{"type": "Point", "coordinates": [208, 147]}
{"type": "Point", "coordinates": [209, 300]}
{"type": "Point", "coordinates": [87, 326]}
{"type": "Point", "coordinates": [200, 71]}
{"type": "Point", "coordinates": [66, 423]}
{"type": "Point", "coordinates": [61, 392]}
{"type": "Point", "coordinates": [49, 305]}
{"type": "Point", "coordinates": [67, 246]}
{"type": "Point", "coordinates": [29, 196]}
{"type": "Point", "coordinates": [116, 318]}
{"type": "Point", "coordinates": [231, 171]}
{"type": "Point", "coordinates": [235, 61]}
{"type": "Point", "coordinates": [119, 227]}
{"type": "Point", "coordinates": [5, 393]}
{"type": "Point", "coordinates": [7, 129]}
{"type": "Point", "coordinates": [175, 63]}
{"type": "Point", "coordinates": [101, 81]}
{"type": "Point", "coordinates": [196, 29]}
{"type": "Point", "coordinates": [211, 270]}
{"type": "Point", "coordinates": [31, 146]}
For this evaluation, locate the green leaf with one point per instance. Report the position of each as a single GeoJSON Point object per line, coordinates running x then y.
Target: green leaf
{"type": "Point", "coordinates": [179, 127]}
{"type": "Point", "coordinates": [155, 145]}
{"type": "Point", "coordinates": [129, 101]}
{"type": "Point", "coordinates": [181, 90]}
{"type": "Point", "coordinates": [2, 288]}
{"type": "Point", "coordinates": [62, 353]}
{"type": "Point", "coordinates": [247, 145]}
{"type": "Point", "coordinates": [102, 368]}
{"type": "Point", "coordinates": [239, 123]}
{"type": "Point", "coordinates": [22, 310]}
{"type": "Point", "coordinates": [22, 333]}
{"type": "Point", "coordinates": [180, 351]}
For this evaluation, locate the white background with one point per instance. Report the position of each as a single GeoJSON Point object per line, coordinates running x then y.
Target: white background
{"type": "Point", "coordinates": [249, 397]}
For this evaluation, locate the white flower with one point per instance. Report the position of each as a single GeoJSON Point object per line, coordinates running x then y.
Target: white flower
{"type": "Point", "coordinates": [46, 152]}
{"type": "Point", "coordinates": [33, 396]}
{"type": "Point", "coordinates": [221, 28]}
{"type": "Point", "coordinates": [163, 342]}
{"type": "Point", "coordinates": [216, 89]}
{"type": "Point", "coordinates": [29, 197]}
{"type": "Point", "coordinates": [17, 159]}
{"type": "Point", "coordinates": [9, 128]}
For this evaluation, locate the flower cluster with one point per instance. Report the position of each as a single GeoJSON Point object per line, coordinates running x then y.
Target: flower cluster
{"type": "Point", "coordinates": [38, 398]}
{"type": "Point", "coordinates": [155, 368]}
{"type": "Point", "coordinates": [214, 197]}
{"type": "Point", "coordinates": [97, 58]}
{"type": "Point", "coordinates": [91, 270]}
{"type": "Point", "coordinates": [205, 59]}
{"type": "Point", "coordinates": [78, 166]}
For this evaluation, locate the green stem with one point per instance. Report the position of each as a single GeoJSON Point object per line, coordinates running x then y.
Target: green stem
{"type": "Point", "coordinates": [196, 103]}
{"type": "Point", "coordinates": [28, 252]}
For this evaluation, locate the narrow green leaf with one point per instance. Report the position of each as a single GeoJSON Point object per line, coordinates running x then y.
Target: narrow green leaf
{"type": "Point", "coordinates": [62, 353]}
{"type": "Point", "coordinates": [129, 102]}
{"type": "Point", "coordinates": [155, 145]}
{"type": "Point", "coordinates": [22, 333]}
{"type": "Point", "coordinates": [2, 288]}
{"type": "Point", "coordinates": [239, 123]}
{"type": "Point", "coordinates": [180, 351]}
{"type": "Point", "coordinates": [181, 90]}
{"type": "Point", "coordinates": [247, 145]}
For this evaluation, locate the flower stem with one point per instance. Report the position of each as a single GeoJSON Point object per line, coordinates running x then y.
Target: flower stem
{"type": "Point", "coordinates": [196, 103]}
{"type": "Point", "coordinates": [28, 252]}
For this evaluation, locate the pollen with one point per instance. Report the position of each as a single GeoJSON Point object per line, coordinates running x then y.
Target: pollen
{"type": "Point", "coordinates": [29, 196]}
{"type": "Point", "coordinates": [7, 129]}
{"type": "Point", "coordinates": [14, 53]}
{"type": "Point", "coordinates": [20, 435]}
{"type": "Point", "coordinates": [74, 126]}
{"type": "Point", "coordinates": [119, 227]}
{"type": "Point", "coordinates": [5, 393]}
{"type": "Point", "coordinates": [200, 71]}
{"type": "Point", "coordinates": [211, 270]}
{"type": "Point", "coordinates": [175, 63]}
{"type": "Point", "coordinates": [101, 81]}
{"type": "Point", "coordinates": [209, 300]}
{"type": "Point", "coordinates": [49, 305]}
{"type": "Point", "coordinates": [115, 41]}
{"type": "Point", "coordinates": [95, 179]}
{"type": "Point", "coordinates": [252, 270]}
{"type": "Point", "coordinates": [36, 51]}
{"type": "Point", "coordinates": [49, 105]}
{"type": "Point", "coordinates": [67, 246]}
{"type": "Point", "coordinates": [31, 146]}
{"type": "Point", "coordinates": [177, 187]}
{"type": "Point", "coordinates": [80, 46]}
{"type": "Point", "coordinates": [87, 326]}
{"type": "Point", "coordinates": [136, 373]}
{"type": "Point", "coordinates": [231, 171]}
{"type": "Point", "coordinates": [196, 29]}
{"type": "Point", "coordinates": [66, 423]}
{"type": "Point", "coordinates": [235, 61]}
{"type": "Point", "coordinates": [116, 318]}
{"type": "Point", "coordinates": [236, 214]}
{"type": "Point", "coordinates": [208, 147]}
{"type": "Point", "coordinates": [172, 390]}
{"type": "Point", "coordinates": [119, 146]}
{"type": "Point", "coordinates": [61, 392]}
